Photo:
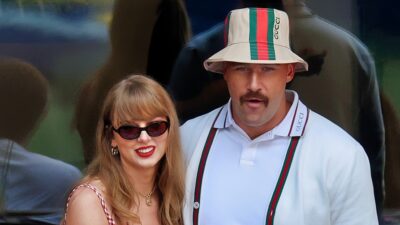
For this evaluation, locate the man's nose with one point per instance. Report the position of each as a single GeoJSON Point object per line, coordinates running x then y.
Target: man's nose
{"type": "Point", "coordinates": [254, 84]}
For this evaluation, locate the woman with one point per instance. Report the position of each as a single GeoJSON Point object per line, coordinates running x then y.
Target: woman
{"type": "Point", "coordinates": [137, 175]}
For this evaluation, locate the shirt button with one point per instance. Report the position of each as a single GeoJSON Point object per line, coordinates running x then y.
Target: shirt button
{"type": "Point", "coordinates": [196, 205]}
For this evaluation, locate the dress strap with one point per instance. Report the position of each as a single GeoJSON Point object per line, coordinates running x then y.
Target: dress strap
{"type": "Point", "coordinates": [110, 219]}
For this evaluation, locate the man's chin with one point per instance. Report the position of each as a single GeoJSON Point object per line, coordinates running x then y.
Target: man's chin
{"type": "Point", "coordinates": [255, 122]}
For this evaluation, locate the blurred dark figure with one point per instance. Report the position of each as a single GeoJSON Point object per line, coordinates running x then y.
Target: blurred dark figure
{"type": "Point", "coordinates": [146, 37]}
{"type": "Point", "coordinates": [392, 141]}
{"type": "Point", "coordinates": [341, 83]}
{"type": "Point", "coordinates": [207, 13]}
{"type": "Point", "coordinates": [33, 187]}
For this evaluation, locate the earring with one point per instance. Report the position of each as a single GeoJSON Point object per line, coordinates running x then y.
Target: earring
{"type": "Point", "coordinates": [114, 150]}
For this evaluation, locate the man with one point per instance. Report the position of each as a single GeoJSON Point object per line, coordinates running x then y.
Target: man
{"type": "Point", "coordinates": [33, 187]}
{"type": "Point", "coordinates": [264, 157]}
{"type": "Point", "coordinates": [341, 83]}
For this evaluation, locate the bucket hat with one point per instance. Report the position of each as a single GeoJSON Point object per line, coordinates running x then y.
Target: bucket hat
{"type": "Point", "coordinates": [256, 35]}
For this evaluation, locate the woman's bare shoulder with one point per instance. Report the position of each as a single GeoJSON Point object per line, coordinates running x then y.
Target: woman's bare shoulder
{"type": "Point", "coordinates": [84, 206]}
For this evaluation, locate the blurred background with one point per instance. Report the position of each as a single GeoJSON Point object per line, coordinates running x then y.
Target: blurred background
{"type": "Point", "coordinates": [68, 40]}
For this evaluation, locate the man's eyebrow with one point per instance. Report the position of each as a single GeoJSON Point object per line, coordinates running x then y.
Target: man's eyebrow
{"type": "Point", "coordinates": [237, 64]}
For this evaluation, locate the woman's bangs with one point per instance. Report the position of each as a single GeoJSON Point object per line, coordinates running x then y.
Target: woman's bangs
{"type": "Point", "coordinates": [137, 107]}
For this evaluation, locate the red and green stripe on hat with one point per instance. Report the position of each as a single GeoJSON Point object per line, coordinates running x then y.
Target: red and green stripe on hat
{"type": "Point", "coordinates": [261, 33]}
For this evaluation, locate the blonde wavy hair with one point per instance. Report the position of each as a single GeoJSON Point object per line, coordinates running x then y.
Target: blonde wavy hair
{"type": "Point", "coordinates": [139, 98]}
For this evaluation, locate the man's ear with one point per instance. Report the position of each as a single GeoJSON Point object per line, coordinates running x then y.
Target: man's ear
{"type": "Point", "coordinates": [290, 72]}
{"type": "Point", "coordinates": [225, 67]}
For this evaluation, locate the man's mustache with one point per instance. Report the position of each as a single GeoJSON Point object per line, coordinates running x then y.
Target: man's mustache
{"type": "Point", "coordinates": [252, 95]}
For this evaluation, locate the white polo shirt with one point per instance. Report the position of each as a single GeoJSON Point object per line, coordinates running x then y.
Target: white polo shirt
{"type": "Point", "coordinates": [241, 174]}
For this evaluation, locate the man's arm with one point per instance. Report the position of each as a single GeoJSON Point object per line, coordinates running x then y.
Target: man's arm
{"type": "Point", "coordinates": [351, 190]}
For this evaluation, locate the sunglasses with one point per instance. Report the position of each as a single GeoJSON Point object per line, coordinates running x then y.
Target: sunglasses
{"type": "Point", "coordinates": [130, 132]}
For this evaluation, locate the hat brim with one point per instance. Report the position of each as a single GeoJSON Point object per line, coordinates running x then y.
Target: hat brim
{"type": "Point", "coordinates": [240, 52]}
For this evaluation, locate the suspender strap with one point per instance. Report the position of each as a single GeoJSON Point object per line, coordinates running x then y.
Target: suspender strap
{"type": "Point", "coordinates": [281, 180]}
{"type": "Point", "coordinates": [200, 171]}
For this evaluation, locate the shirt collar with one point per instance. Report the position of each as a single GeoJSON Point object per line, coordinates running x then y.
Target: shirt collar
{"type": "Point", "coordinates": [292, 125]}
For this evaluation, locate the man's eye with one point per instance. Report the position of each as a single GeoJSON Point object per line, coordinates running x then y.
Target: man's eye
{"type": "Point", "coordinates": [266, 68]}
{"type": "Point", "coordinates": [241, 68]}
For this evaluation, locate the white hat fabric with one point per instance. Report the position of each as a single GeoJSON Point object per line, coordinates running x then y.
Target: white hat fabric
{"type": "Point", "coordinates": [256, 35]}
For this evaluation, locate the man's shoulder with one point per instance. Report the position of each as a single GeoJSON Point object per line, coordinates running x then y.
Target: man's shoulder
{"type": "Point", "coordinates": [319, 124]}
{"type": "Point", "coordinates": [330, 144]}
{"type": "Point", "coordinates": [201, 121]}
{"type": "Point", "coordinates": [326, 132]}
{"type": "Point", "coordinates": [193, 130]}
